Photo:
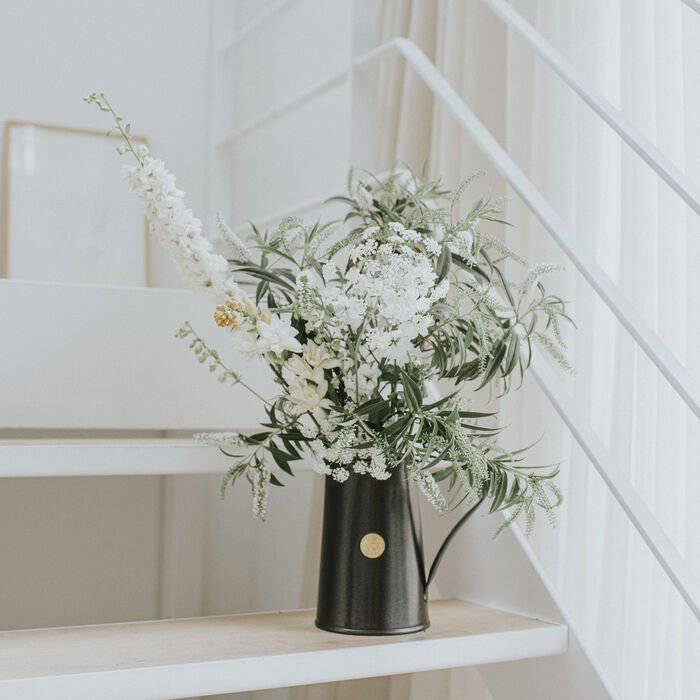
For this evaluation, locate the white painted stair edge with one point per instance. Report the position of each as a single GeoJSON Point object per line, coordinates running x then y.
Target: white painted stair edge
{"type": "Point", "coordinates": [170, 659]}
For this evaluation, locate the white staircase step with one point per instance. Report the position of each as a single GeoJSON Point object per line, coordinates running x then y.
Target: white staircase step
{"type": "Point", "coordinates": [204, 656]}
{"type": "Point", "coordinates": [92, 457]}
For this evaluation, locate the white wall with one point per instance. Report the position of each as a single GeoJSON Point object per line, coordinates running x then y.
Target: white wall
{"type": "Point", "coordinates": [95, 549]}
{"type": "Point", "coordinates": [151, 58]}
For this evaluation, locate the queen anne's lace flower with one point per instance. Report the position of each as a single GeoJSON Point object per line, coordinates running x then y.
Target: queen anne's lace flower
{"type": "Point", "coordinates": [391, 289]}
{"type": "Point", "coordinates": [340, 474]}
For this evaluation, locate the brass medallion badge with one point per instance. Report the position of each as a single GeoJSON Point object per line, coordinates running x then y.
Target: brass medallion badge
{"type": "Point", "coordinates": [372, 545]}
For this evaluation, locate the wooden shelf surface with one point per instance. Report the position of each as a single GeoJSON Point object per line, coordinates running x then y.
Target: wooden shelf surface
{"type": "Point", "coordinates": [181, 658]}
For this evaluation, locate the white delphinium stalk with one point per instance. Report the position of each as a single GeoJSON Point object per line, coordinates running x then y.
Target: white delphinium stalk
{"type": "Point", "coordinates": [176, 227]}
{"type": "Point", "coordinates": [169, 219]}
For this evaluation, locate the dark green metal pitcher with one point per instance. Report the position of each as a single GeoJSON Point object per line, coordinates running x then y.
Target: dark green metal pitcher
{"type": "Point", "coordinates": [373, 577]}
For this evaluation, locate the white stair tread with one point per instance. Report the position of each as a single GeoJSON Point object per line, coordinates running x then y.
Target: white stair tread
{"type": "Point", "coordinates": [204, 656]}
{"type": "Point", "coordinates": [95, 457]}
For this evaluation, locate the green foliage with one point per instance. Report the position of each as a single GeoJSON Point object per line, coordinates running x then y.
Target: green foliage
{"type": "Point", "coordinates": [373, 411]}
{"type": "Point", "coordinates": [206, 355]}
{"type": "Point", "coordinates": [483, 335]}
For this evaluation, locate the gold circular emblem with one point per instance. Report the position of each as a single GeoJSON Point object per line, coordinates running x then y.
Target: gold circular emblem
{"type": "Point", "coordinates": [372, 545]}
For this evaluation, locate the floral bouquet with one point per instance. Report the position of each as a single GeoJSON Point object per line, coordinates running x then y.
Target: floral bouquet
{"type": "Point", "coordinates": [358, 320]}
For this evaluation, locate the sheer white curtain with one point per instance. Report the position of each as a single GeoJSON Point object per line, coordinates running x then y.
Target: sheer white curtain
{"type": "Point", "coordinates": [644, 56]}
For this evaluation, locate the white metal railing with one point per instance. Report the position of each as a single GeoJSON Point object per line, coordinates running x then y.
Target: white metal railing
{"type": "Point", "coordinates": [284, 108]}
{"type": "Point", "coordinates": [664, 360]}
{"type": "Point", "coordinates": [255, 25]}
{"type": "Point", "coordinates": [295, 209]}
{"type": "Point", "coordinates": [634, 507]}
{"type": "Point", "coordinates": [633, 137]}
{"type": "Point", "coordinates": [643, 521]}
{"type": "Point", "coordinates": [693, 5]}
{"type": "Point", "coordinates": [674, 372]}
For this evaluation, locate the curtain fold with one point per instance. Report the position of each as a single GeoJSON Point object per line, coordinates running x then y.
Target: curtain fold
{"type": "Point", "coordinates": [641, 56]}
{"type": "Point", "coordinates": [644, 56]}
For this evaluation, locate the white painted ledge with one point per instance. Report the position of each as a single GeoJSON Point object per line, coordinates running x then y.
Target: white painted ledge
{"type": "Point", "coordinates": [108, 457]}
{"type": "Point", "coordinates": [170, 659]}
{"type": "Point", "coordinates": [113, 457]}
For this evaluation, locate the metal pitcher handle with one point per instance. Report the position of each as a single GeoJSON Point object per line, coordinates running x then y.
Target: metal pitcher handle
{"type": "Point", "coordinates": [443, 547]}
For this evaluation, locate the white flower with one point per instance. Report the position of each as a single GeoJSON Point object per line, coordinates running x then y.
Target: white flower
{"type": "Point", "coordinates": [319, 356]}
{"type": "Point", "coordinates": [239, 248]}
{"type": "Point", "coordinates": [247, 343]}
{"type": "Point", "coordinates": [363, 196]}
{"type": "Point", "coordinates": [405, 179]}
{"type": "Point", "coordinates": [277, 335]}
{"type": "Point", "coordinates": [176, 227]}
{"type": "Point", "coordinates": [330, 270]}
{"type": "Point", "coordinates": [320, 467]}
{"type": "Point", "coordinates": [367, 376]}
{"type": "Point", "coordinates": [431, 490]}
{"type": "Point", "coordinates": [440, 292]}
{"type": "Point", "coordinates": [341, 474]}
{"type": "Point", "coordinates": [462, 243]}
{"type": "Point", "coordinates": [432, 246]}
{"type": "Point", "coordinates": [310, 395]}
{"type": "Point", "coordinates": [298, 367]}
